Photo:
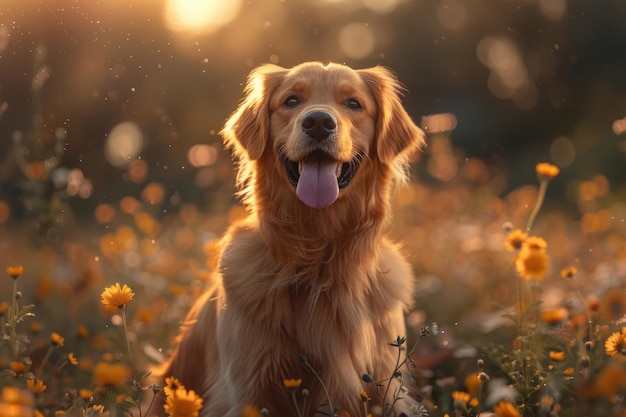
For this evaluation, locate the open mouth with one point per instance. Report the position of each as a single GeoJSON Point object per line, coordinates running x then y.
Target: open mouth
{"type": "Point", "coordinates": [318, 177]}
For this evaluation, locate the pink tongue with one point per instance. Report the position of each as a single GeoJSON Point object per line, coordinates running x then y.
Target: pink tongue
{"type": "Point", "coordinates": [318, 186]}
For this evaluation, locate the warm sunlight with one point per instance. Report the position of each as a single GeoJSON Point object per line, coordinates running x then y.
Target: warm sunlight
{"type": "Point", "coordinates": [199, 16]}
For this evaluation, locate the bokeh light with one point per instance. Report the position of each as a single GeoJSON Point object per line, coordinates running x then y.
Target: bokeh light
{"type": "Point", "coordinates": [356, 40]}
{"type": "Point", "coordinates": [124, 144]}
{"type": "Point", "coordinates": [202, 155]}
{"type": "Point", "coordinates": [199, 15]}
{"type": "Point", "coordinates": [381, 6]}
{"type": "Point", "coordinates": [562, 151]}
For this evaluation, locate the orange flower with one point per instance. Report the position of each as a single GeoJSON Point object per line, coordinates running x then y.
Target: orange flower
{"type": "Point", "coordinates": [56, 339]}
{"type": "Point", "coordinates": [554, 316]}
{"type": "Point", "coordinates": [117, 296]}
{"type": "Point", "coordinates": [557, 356]}
{"type": "Point", "coordinates": [460, 400]}
{"type": "Point", "coordinates": [615, 345]}
{"type": "Point", "coordinates": [72, 358]}
{"type": "Point", "coordinates": [109, 374]}
{"type": "Point", "coordinates": [15, 271]}
{"type": "Point", "coordinates": [36, 385]}
{"type": "Point", "coordinates": [292, 383]}
{"type": "Point", "coordinates": [4, 306]}
{"type": "Point", "coordinates": [182, 403]}
{"type": "Point", "coordinates": [515, 239]}
{"type": "Point", "coordinates": [506, 409]}
{"type": "Point", "coordinates": [546, 171]}
{"type": "Point", "coordinates": [18, 367]}
{"type": "Point", "coordinates": [532, 260]}
{"type": "Point", "coordinates": [569, 272]}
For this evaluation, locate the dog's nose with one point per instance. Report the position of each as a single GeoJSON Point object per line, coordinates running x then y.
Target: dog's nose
{"type": "Point", "coordinates": [318, 125]}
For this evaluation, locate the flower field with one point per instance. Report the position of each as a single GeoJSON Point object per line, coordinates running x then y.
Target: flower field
{"type": "Point", "coordinates": [528, 297]}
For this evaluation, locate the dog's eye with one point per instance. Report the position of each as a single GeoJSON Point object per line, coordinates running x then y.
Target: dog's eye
{"type": "Point", "coordinates": [292, 101]}
{"type": "Point", "coordinates": [353, 104]}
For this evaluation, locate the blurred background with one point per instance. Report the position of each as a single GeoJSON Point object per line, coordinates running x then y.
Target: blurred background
{"type": "Point", "coordinates": [108, 96]}
{"type": "Point", "coordinates": [112, 168]}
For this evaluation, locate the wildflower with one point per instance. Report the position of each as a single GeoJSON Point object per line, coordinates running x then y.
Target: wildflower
{"type": "Point", "coordinates": [18, 367]}
{"type": "Point", "coordinates": [82, 331]}
{"type": "Point", "coordinates": [56, 339]}
{"type": "Point", "coordinates": [117, 296]}
{"type": "Point", "coordinates": [108, 374]}
{"type": "Point", "coordinates": [614, 304]}
{"type": "Point", "coordinates": [506, 409]}
{"type": "Point", "coordinates": [15, 402]}
{"type": "Point", "coordinates": [569, 272]}
{"type": "Point", "coordinates": [554, 316]}
{"type": "Point", "coordinates": [144, 315]}
{"type": "Point", "coordinates": [292, 383]}
{"type": "Point", "coordinates": [38, 413]}
{"type": "Point", "coordinates": [546, 171]}
{"type": "Point", "coordinates": [460, 399]}
{"type": "Point", "coordinates": [532, 260]}
{"type": "Point", "coordinates": [35, 327]}
{"type": "Point", "coordinates": [182, 403]}
{"type": "Point", "coordinates": [72, 358]}
{"type": "Point", "coordinates": [364, 396]}
{"type": "Point", "coordinates": [568, 371]}
{"type": "Point", "coordinates": [36, 385]}
{"type": "Point", "coordinates": [4, 306]}
{"type": "Point", "coordinates": [171, 385]}
{"type": "Point", "coordinates": [474, 402]}
{"type": "Point", "coordinates": [515, 239]}
{"type": "Point", "coordinates": [85, 394]}
{"type": "Point", "coordinates": [615, 345]}
{"type": "Point", "coordinates": [557, 356]}
{"type": "Point", "coordinates": [15, 271]}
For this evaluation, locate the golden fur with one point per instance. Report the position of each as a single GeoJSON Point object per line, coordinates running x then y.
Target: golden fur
{"type": "Point", "coordinates": [322, 282]}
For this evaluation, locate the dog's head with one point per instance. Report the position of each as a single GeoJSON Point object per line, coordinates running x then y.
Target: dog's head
{"type": "Point", "coordinates": [322, 127]}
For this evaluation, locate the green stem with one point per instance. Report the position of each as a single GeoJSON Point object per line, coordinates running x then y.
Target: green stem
{"type": "Point", "coordinates": [543, 187]}
{"type": "Point", "coordinates": [44, 361]}
{"type": "Point", "coordinates": [13, 310]}
{"type": "Point", "coordinates": [113, 403]}
{"type": "Point", "coordinates": [130, 358]}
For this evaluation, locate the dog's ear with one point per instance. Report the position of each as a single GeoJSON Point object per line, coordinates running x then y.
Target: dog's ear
{"type": "Point", "coordinates": [248, 128]}
{"type": "Point", "coordinates": [396, 133]}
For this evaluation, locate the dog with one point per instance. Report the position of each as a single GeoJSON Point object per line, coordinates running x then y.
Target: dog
{"type": "Point", "coordinates": [309, 288]}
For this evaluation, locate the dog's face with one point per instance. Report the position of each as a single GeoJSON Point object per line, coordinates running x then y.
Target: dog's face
{"type": "Point", "coordinates": [321, 123]}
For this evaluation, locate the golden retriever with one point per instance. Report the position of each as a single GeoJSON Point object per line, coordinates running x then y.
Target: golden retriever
{"type": "Point", "coordinates": [309, 273]}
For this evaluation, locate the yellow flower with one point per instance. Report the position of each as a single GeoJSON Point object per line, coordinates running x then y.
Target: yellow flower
{"type": "Point", "coordinates": [117, 296]}
{"type": "Point", "coordinates": [72, 358]}
{"type": "Point", "coordinates": [36, 385]}
{"type": "Point", "coordinates": [615, 345]}
{"type": "Point", "coordinates": [82, 331]}
{"type": "Point", "coordinates": [460, 399]}
{"type": "Point", "coordinates": [109, 374]}
{"type": "Point", "coordinates": [15, 271]}
{"type": "Point", "coordinates": [12, 395]}
{"type": "Point", "coordinates": [515, 239]}
{"type": "Point", "coordinates": [292, 383]}
{"type": "Point", "coordinates": [171, 385]}
{"type": "Point", "coordinates": [364, 396]}
{"type": "Point", "coordinates": [554, 316]}
{"type": "Point", "coordinates": [16, 403]}
{"type": "Point", "coordinates": [85, 394]}
{"type": "Point", "coordinates": [568, 272]}
{"type": "Point", "coordinates": [546, 171]}
{"type": "Point", "coordinates": [56, 339]}
{"type": "Point", "coordinates": [182, 403]}
{"type": "Point", "coordinates": [506, 409]}
{"type": "Point", "coordinates": [18, 367]}
{"type": "Point", "coordinates": [557, 356]}
{"type": "Point", "coordinates": [532, 260]}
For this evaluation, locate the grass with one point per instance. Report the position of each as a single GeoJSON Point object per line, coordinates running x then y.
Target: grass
{"type": "Point", "coordinates": [530, 303]}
